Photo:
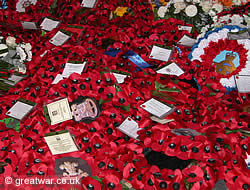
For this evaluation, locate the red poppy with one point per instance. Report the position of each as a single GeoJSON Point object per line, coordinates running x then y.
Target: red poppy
{"type": "Point", "coordinates": [193, 173]}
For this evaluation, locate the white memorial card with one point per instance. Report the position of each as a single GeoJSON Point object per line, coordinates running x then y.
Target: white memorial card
{"type": "Point", "coordinates": [161, 121]}
{"type": "Point", "coordinates": [59, 38]}
{"type": "Point", "coordinates": [120, 77]}
{"type": "Point", "coordinates": [60, 143]}
{"type": "Point", "coordinates": [29, 25]}
{"type": "Point", "coordinates": [58, 78]}
{"type": "Point", "coordinates": [15, 79]}
{"type": "Point", "coordinates": [242, 83]}
{"type": "Point", "coordinates": [171, 69]}
{"type": "Point", "coordinates": [73, 68]}
{"type": "Point", "coordinates": [49, 24]}
{"type": "Point", "coordinates": [88, 3]}
{"type": "Point", "coordinates": [129, 127]}
{"type": "Point", "coordinates": [186, 41]}
{"type": "Point", "coordinates": [161, 54]}
{"type": "Point", "coordinates": [59, 111]}
{"type": "Point", "coordinates": [157, 108]}
{"type": "Point", "coordinates": [187, 28]}
{"type": "Point", "coordinates": [20, 109]}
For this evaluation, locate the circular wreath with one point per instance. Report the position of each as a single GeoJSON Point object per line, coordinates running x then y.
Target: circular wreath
{"type": "Point", "coordinates": [214, 43]}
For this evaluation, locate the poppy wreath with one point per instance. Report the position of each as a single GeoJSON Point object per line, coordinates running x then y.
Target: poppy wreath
{"type": "Point", "coordinates": [217, 152]}
{"type": "Point", "coordinates": [215, 44]}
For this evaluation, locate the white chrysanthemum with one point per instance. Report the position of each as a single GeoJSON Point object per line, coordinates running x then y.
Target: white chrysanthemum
{"type": "Point", "coordinates": [161, 11]}
{"type": "Point", "coordinates": [206, 6]}
{"type": "Point", "coordinates": [217, 7]}
{"type": "Point", "coordinates": [11, 42]}
{"type": "Point", "coordinates": [179, 6]}
{"type": "Point", "coordinates": [196, 1]}
{"type": "Point", "coordinates": [191, 10]}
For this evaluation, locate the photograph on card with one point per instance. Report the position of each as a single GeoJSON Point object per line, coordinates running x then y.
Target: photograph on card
{"type": "Point", "coordinates": [72, 167]}
{"type": "Point", "coordinates": [85, 109]}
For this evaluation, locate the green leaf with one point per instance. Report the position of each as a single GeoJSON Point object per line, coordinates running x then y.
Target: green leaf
{"type": "Point", "coordinates": [212, 94]}
{"type": "Point", "coordinates": [169, 90]}
{"type": "Point", "coordinates": [118, 88]}
{"type": "Point", "coordinates": [124, 187]}
{"type": "Point", "coordinates": [43, 33]}
{"type": "Point", "coordinates": [126, 108]}
{"type": "Point", "coordinates": [175, 81]}
{"type": "Point", "coordinates": [209, 109]}
{"type": "Point", "coordinates": [187, 184]}
{"type": "Point", "coordinates": [227, 146]}
{"type": "Point", "coordinates": [158, 86]}
{"type": "Point", "coordinates": [224, 121]}
{"type": "Point", "coordinates": [54, 4]}
{"type": "Point", "coordinates": [101, 101]}
{"type": "Point", "coordinates": [98, 179]}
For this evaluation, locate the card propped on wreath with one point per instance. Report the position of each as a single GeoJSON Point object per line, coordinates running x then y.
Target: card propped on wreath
{"type": "Point", "coordinates": [83, 109]}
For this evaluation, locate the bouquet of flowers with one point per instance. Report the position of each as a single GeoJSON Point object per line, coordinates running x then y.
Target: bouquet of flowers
{"type": "Point", "coordinates": [12, 58]}
{"type": "Point", "coordinates": [198, 13]}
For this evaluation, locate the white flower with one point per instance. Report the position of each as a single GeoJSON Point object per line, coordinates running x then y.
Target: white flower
{"type": "Point", "coordinates": [176, 11]}
{"type": "Point", "coordinates": [215, 19]}
{"type": "Point", "coordinates": [212, 13]}
{"type": "Point", "coordinates": [27, 47]}
{"type": "Point", "coordinates": [204, 29]}
{"type": "Point", "coordinates": [11, 42]}
{"type": "Point", "coordinates": [191, 10]}
{"type": "Point", "coordinates": [196, 1]}
{"type": "Point", "coordinates": [22, 4]}
{"type": "Point", "coordinates": [206, 6]}
{"type": "Point", "coordinates": [218, 7]}
{"type": "Point", "coordinates": [247, 20]}
{"type": "Point", "coordinates": [20, 68]}
{"type": "Point", "coordinates": [224, 19]}
{"type": "Point", "coordinates": [179, 6]}
{"type": "Point", "coordinates": [236, 19]}
{"type": "Point", "coordinates": [178, 1]}
{"type": "Point", "coordinates": [237, 2]}
{"type": "Point", "coordinates": [20, 51]}
{"type": "Point", "coordinates": [161, 11]}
